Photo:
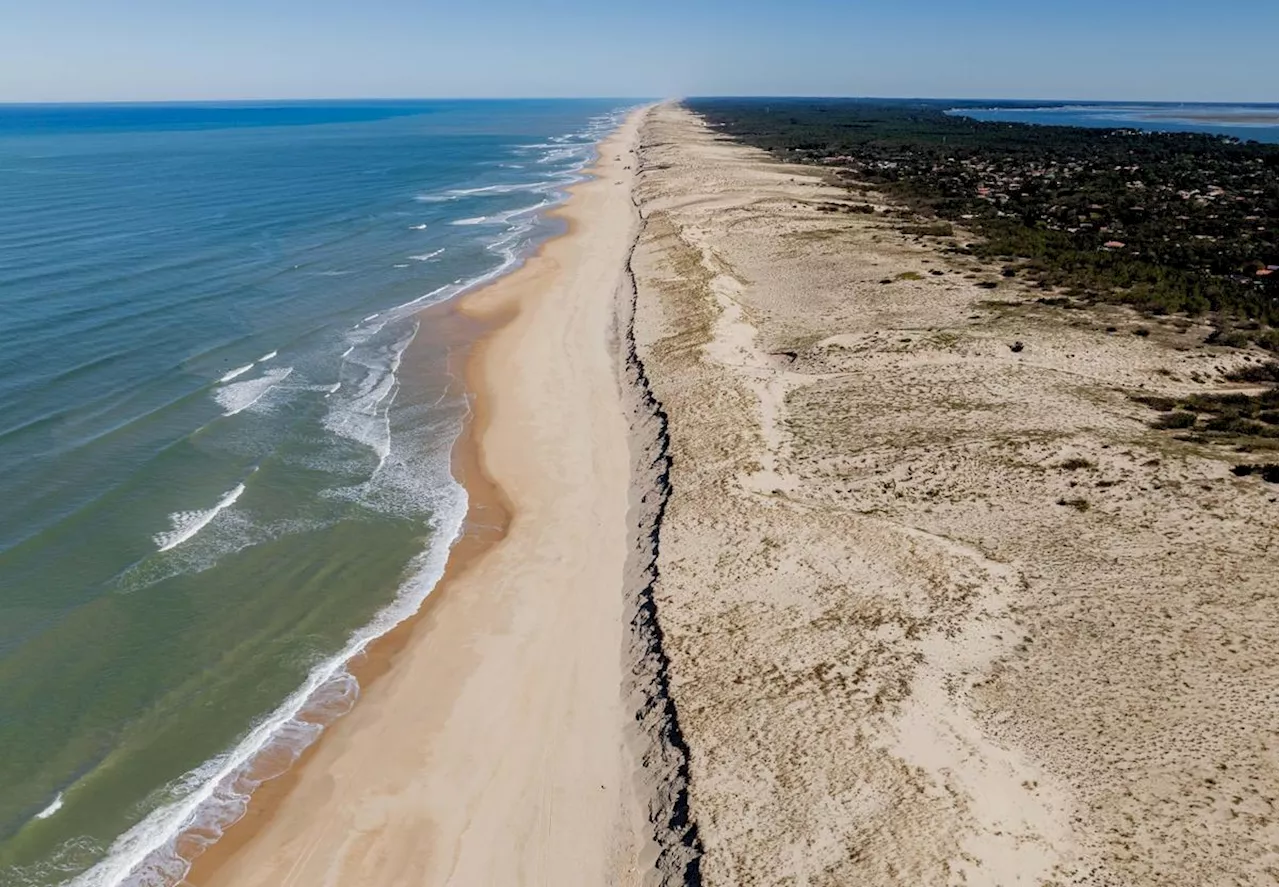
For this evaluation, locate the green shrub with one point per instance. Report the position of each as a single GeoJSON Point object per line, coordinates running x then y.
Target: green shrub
{"type": "Point", "coordinates": [1260, 373]}
{"type": "Point", "coordinates": [1175, 419]}
{"type": "Point", "coordinates": [1270, 472]}
{"type": "Point", "coordinates": [936, 229]}
{"type": "Point", "coordinates": [1074, 463]}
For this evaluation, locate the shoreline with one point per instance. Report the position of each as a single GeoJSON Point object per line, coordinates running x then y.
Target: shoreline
{"type": "Point", "coordinates": [1261, 121]}
{"type": "Point", "coordinates": [232, 772]}
{"type": "Point", "coordinates": [484, 526]}
{"type": "Point", "coordinates": [493, 312]}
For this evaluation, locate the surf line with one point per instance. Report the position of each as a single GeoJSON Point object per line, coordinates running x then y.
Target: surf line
{"type": "Point", "coordinates": [185, 524]}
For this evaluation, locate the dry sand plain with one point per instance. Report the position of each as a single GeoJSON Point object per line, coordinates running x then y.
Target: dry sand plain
{"type": "Point", "coordinates": [896, 656]}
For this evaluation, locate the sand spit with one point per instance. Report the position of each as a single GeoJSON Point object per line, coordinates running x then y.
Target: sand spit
{"type": "Point", "coordinates": [935, 611]}
{"type": "Point", "coordinates": [523, 735]}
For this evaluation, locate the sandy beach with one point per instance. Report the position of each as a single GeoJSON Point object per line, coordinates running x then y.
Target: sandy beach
{"type": "Point", "coordinates": [807, 577]}
{"type": "Point", "coordinates": [493, 749]}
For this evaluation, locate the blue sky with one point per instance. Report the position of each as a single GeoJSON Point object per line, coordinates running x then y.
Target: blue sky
{"type": "Point", "coordinates": [118, 50]}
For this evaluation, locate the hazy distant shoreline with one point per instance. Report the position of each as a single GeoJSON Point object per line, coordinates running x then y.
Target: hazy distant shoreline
{"type": "Point", "coordinates": [1246, 119]}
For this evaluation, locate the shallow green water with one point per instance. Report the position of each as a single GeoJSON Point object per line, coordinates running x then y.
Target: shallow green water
{"type": "Point", "coordinates": [216, 477]}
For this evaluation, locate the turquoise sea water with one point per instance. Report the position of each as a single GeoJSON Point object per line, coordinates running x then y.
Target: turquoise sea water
{"type": "Point", "coordinates": [214, 483]}
{"type": "Point", "coordinates": [1238, 120]}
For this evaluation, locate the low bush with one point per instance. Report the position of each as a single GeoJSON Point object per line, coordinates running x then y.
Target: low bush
{"type": "Point", "coordinates": [1260, 373]}
{"type": "Point", "coordinates": [1077, 504]}
{"type": "Point", "coordinates": [1270, 472]}
{"type": "Point", "coordinates": [1175, 419]}
{"type": "Point", "coordinates": [936, 229]}
{"type": "Point", "coordinates": [1075, 463]}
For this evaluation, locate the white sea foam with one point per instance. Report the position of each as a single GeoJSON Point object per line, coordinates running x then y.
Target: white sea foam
{"type": "Point", "coordinates": [400, 265]}
{"type": "Point", "coordinates": [239, 396]}
{"type": "Point", "coordinates": [327, 389]}
{"type": "Point", "coordinates": [216, 794]}
{"type": "Point", "coordinates": [370, 317]}
{"type": "Point", "coordinates": [232, 532]}
{"type": "Point", "coordinates": [551, 153]}
{"type": "Point", "coordinates": [557, 154]}
{"type": "Point", "coordinates": [505, 217]}
{"type": "Point", "coordinates": [427, 257]}
{"type": "Point", "coordinates": [270, 354]}
{"type": "Point", "coordinates": [211, 797]}
{"type": "Point", "coordinates": [511, 188]}
{"type": "Point", "coordinates": [421, 227]}
{"type": "Point", "coordinates": [187, 523]}
{"type": "Point", "coordinates": [364, 414]}
{"type": "Point", "coordinates": [238, 371]}
{"type": "Point", "coordinates": [413, 304]}
{"type": "Point", "coordinates": [52, 808]}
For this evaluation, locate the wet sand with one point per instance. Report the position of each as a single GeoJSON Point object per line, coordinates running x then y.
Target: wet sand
{"type": "Point", "coordinates": [808, 576]}
{"type": "Point", "coordinates": [492, 747]}
{"type": "Point", "coordinates": [444, 326]}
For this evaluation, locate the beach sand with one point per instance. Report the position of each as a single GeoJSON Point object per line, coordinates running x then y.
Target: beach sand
{"type": "Point", "coordinates": [808, 577]}
{"type": "Point", "coordinates": [937, 611]}
{"type": "Point", "coordinates": [495, 748]}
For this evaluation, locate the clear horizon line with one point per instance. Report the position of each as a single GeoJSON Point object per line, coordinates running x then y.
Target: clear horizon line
{"type": "Point", "coordinates": [500, 98]}
{"type": "Point", "coordinates": [299, 99]}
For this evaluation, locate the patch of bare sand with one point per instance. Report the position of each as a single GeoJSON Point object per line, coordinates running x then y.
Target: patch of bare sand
{"type": "Point", "coordinates": [896, 657]}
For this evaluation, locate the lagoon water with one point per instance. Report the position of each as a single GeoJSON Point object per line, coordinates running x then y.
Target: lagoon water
{"type": "Point", "coordinates": [214, 488]}
{"type": "Point", "coordinates": [1257, 122]}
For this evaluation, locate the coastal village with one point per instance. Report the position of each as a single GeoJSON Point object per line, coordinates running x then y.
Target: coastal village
{"type": "Point", "coordinates": [1168, 222]}
{"type": "Point", "coordinates": [1182, 227]}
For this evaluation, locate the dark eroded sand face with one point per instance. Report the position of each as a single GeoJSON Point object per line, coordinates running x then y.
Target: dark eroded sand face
{"type": "Point", "coordinates": [938, 611]}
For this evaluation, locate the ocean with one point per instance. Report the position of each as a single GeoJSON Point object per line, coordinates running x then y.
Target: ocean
{"type": "Point", "coordinates": [216, 485]}
{"type": "Point", "coordinates": [1244, 121]}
